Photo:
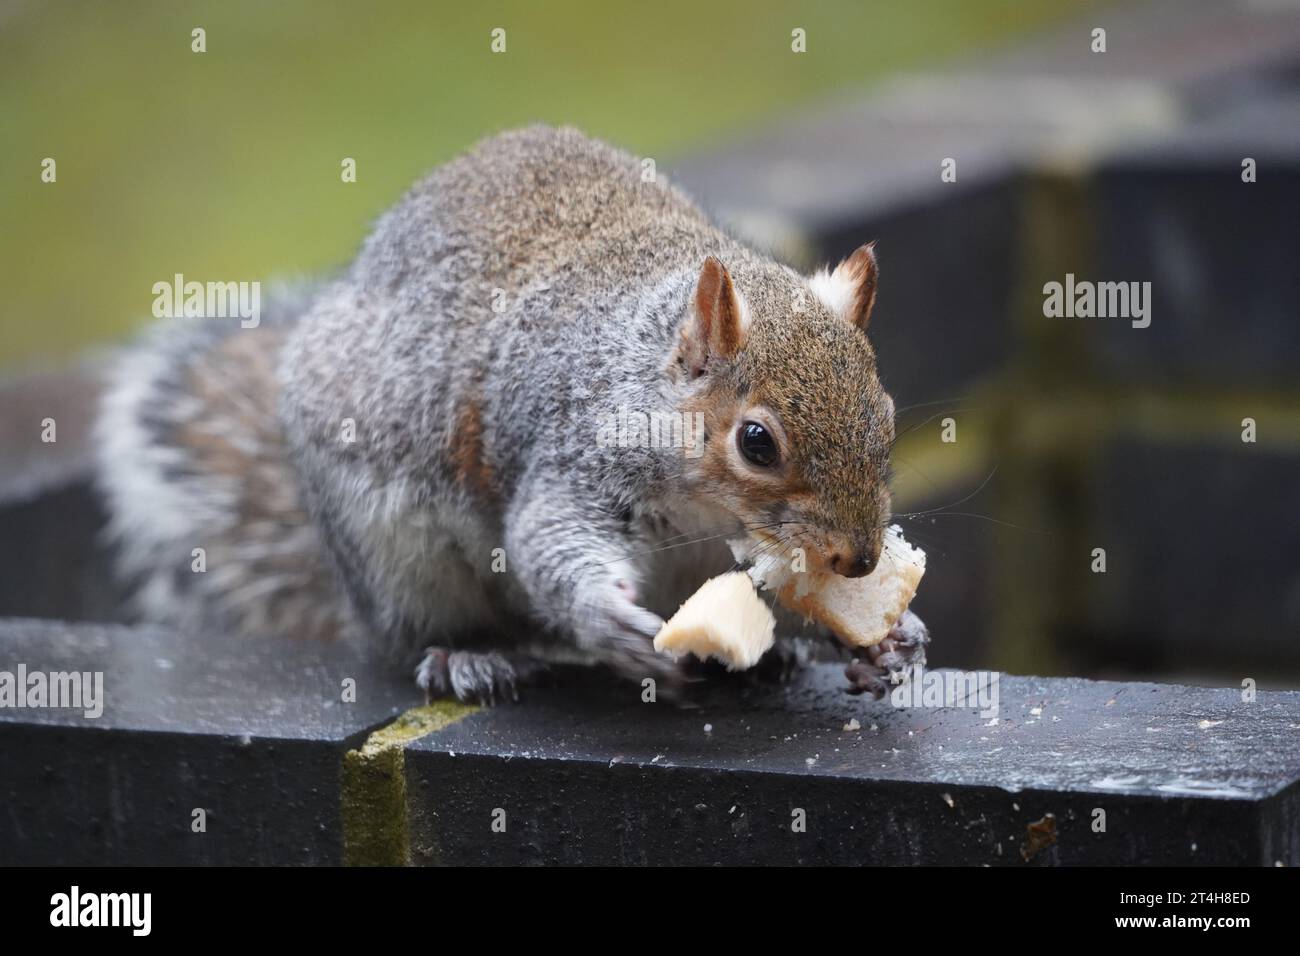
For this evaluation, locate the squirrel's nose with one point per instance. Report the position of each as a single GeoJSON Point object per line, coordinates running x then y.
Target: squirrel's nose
{"type": "Point", "coordinates": [855, 563]}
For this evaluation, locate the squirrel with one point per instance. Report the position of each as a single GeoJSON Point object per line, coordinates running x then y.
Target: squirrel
{"type": "Point", "coordinates": [408, 454]}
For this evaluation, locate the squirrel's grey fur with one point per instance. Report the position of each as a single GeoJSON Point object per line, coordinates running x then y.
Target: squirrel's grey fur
{"type": "Point", "coordinates": [508, 305]}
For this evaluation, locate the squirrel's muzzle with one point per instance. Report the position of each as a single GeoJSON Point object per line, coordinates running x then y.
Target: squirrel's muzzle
{"type": "Point", "coordinates": [854, 562]}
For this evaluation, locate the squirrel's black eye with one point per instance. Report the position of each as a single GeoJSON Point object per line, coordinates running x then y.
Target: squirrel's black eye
{"type": "Point", "coordinates": [757, 445]}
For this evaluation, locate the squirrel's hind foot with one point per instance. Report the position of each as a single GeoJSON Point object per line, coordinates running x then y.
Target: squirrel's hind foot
{"type": "Point", "coordinates": [469, 677]}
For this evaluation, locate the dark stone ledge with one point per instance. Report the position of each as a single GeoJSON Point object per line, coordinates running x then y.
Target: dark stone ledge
{"type": "Point", "coordinates": [596, 776]}
{"type": "Point", "coordinates": [250, 731]}
{"type": "Point", "coordinates": [256, 734]}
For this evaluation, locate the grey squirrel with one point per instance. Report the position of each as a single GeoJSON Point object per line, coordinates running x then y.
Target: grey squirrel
{"type": "Point", "coordinates": [407, 455]}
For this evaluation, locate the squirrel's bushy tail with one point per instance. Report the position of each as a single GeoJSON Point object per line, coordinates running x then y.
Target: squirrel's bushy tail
{"type": "Point", "coordinates": [204, 511]}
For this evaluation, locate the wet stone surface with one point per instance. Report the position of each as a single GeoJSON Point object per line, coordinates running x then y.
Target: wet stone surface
{"type": "Point", "coordinates": [249, 732]}
{"type": "Point", "coordinates": [583, 771]}
{"type": "Point", "coordinates": [594, 775]}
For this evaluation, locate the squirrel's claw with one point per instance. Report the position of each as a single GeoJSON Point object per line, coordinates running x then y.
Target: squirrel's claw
{"type": "Point", "coordinates": [431, 674]}
{"type": "Point", "coordinates": [467, 676]}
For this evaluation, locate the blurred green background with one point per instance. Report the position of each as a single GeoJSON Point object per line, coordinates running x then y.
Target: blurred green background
{"type": "Point", "coordinates": [226, 164]}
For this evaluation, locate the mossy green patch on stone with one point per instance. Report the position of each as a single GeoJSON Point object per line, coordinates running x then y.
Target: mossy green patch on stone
{"type": "Point", "coordinates": [373, 789]}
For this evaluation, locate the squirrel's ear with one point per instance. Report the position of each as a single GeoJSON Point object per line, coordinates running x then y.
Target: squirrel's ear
{"type": "Point", "coordinates": [850, 291]}
{"type": "Point", "coordinates": [715, 328]}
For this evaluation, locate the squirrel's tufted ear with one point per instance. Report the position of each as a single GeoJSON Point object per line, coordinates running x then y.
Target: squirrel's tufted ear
{"type": "Point", "coordinates": [715, 328]}
{"type": "Point", "coordinates": [850, 291]}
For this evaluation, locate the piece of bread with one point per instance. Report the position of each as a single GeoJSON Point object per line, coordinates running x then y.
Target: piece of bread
{"type": "Point", "coordinates": [859, 611]}
{"type": "Point", "coordinates": [725, 619]}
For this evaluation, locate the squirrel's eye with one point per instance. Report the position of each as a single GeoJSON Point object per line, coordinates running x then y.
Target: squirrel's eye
{"type": "Point", "coordinates": [757, 445]}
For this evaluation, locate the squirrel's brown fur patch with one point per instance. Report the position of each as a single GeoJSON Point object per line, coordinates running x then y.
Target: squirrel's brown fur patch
{"type": "Point", "coordinates": [466, 448]}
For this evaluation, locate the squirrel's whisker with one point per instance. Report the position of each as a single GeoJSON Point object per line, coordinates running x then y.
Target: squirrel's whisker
{"type": "Point", "coordinates": [921, 424]}
{"type": "Point", "coordinates": [998, 521]}
{"type": "Point", "coordinates": [960, 501]}
{"type": "Point", "coordinates": [670, 547]}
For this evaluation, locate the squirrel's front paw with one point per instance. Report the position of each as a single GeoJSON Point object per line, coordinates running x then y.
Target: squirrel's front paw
{"type": "Point", "coordinates": [617, 631]}
{"type": "Point", "coordinates": [469, 677]}
{"type": "Point", "coordinates": [874, 669]}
